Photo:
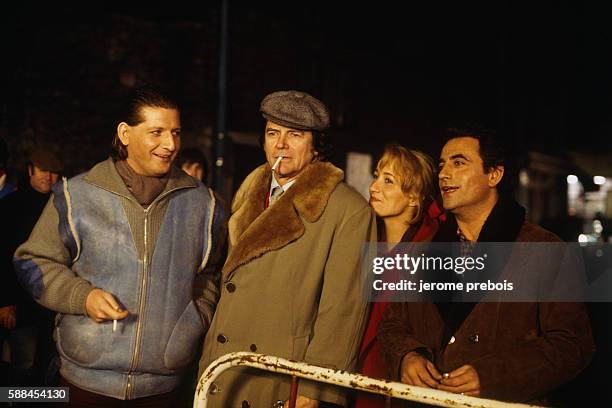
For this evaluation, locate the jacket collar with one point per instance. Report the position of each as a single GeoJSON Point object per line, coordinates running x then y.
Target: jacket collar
{"type": "Point", "coordinates": [253, 230]}
{"type": "Point", "coordinates": [504, 222]}
{"type": "Point", "coordinates": [105, 176]}
{"type": "Point", "coordinates": [502, 225]}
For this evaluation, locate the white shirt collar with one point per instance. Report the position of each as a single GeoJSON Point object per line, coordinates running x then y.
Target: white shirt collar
{"type": "Point", "coordinates": [274, 183]}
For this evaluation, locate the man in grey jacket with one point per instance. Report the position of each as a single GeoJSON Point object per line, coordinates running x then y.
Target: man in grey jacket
{"type": "Point", "coordinates": [126, 254]}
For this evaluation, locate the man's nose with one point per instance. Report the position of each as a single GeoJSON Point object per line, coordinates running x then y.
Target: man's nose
{"type": "Point", "coordinates": [169, 142]}
{"type": "Point", "coordinates": [47, 175]}
{"type": "Point", "coordinates": [443, 173]}
{"type": "Point", "coordinates": [281, 142]}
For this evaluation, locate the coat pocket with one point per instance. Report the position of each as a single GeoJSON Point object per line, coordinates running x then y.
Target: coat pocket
{"type": "Point", "coordinates": [182, 344]}
{"type": "Point", "coordinates": [81, 340]}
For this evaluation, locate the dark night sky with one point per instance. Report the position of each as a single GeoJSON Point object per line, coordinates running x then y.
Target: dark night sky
{"type": "Point", "coordinates": [539, 72]}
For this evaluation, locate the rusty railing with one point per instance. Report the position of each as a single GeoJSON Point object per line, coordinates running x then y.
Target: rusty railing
{"type": "Point", "coordinates": [340, 378]}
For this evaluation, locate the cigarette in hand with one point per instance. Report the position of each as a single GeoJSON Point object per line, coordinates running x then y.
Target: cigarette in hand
{"type": "Point", "coordinates": [277, 163]}
{"type": "Point", "coordinates": [114, 325]}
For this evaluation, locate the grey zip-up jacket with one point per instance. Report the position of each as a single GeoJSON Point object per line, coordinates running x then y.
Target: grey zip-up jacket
{"type": "Point", "coordinates": [159, 263]}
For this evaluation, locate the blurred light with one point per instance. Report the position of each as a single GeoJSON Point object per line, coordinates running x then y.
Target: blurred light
{"type": "Point", "coordinates": [597, 227]}
{"type": "Point", "coordinates": [571, 179]}
{"type": "Point", "coordinates": [524, 178]}
{"type": "Point", "coordinates": [582, 238]}
{"type": "Point", "coordinates": [599, 180]}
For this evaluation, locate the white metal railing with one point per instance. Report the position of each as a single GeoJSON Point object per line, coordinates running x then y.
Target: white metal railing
{"type": "Point", "coordinates": [341, 378]}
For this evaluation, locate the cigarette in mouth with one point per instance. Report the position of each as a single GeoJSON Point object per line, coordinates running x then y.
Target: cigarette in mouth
{"type": "Point", "coordinates": [276, 163]}
{"type": "Point", "coordinates": [114, 325]}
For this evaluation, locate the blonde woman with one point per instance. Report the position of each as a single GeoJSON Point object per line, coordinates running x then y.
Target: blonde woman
{"type": "Point", "coordinates": [402, 196]}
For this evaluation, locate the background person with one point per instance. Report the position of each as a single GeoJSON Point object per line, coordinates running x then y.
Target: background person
{"type": "Point", "coordinates": [25, 323]}
{"type": "Point", "coordinates": [6, 187]}
{"type": "Point", "coordinates": [193, 162]}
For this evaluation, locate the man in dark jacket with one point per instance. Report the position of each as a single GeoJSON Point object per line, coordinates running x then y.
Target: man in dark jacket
{"type": "Point", "coordinates": [26, 324]}
{"type": "Point", "coordinates": [501, 350]}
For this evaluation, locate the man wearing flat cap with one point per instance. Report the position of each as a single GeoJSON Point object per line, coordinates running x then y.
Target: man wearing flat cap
{"type": "Point", "coordinates": [26, 324]}
{"type": "Point", "coordinates": [291, 284]}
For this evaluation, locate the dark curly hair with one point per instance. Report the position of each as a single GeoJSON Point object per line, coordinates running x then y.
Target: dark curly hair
{"type": "Point", "coordinates": [494, 151]}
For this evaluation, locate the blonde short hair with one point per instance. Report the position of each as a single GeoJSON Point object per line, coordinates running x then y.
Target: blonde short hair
{"type": "Point", "coordinates": [416, 173]}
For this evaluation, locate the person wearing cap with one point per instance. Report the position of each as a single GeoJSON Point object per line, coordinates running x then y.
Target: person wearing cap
{"type": "Point", "coordinates": [291, 285]}
{"type": "Point", "coordinates": [26, 324]}
{"type": "Point", "coordinates": [126, 254]}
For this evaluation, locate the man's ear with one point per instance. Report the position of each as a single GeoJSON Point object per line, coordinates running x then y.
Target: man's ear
{"type": "Point", "coordinates": [315, 156]}
{"type": "Point", "coordinates": [495, 175]}
{"type": "Point", "coordinates": [123, 132]}
{"type": "Point", "coordinates": [30, 170]}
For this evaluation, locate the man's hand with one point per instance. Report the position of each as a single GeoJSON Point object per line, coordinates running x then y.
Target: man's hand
{"type": "Point", "coordinates": [304, 402]}
{"type": "Point", "coordinates": [463, 380]}
{"type": "Point", "coordinates": [8, 317]}
{"type": "Point", "coordinates": [102, 306]}
{"type": "Point", "coordinates": [417, 370]}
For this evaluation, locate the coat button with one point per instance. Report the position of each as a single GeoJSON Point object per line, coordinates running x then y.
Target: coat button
{"type": "Point", "coordinates": [452, 340]}
{"type": "Point", "coordinates": [230, 287]}
{"type": "Point", "coordinates": [474, 338]}
{"type": "Point", "coordinates": [253, 347]}
{"type": "Point", "coordinates": [221, 339]}
{"type": "Point", "coordinates": [214, 389]}
{"type": "Point", "coordinates": [245, 404]}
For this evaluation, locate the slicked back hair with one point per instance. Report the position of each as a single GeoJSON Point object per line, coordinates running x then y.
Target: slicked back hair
{"type": "Point", "coordinates": [131, 112]}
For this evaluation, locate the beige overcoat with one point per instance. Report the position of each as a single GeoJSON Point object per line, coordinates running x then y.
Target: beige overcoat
{"type": "Point", "coordinates": [291, 286]}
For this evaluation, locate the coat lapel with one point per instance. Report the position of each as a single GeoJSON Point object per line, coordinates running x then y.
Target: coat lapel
{"type": "Point", "coordinates": [502, 225]}
{"type": "Point", "coordinates": [255, 231]}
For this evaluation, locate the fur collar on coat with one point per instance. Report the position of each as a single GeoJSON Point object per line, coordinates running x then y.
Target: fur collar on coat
{"type": "Point", "coordinates": [254, 230]}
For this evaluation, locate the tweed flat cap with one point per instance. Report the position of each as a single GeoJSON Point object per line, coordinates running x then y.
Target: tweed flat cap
{"type": "Point", "coordinates": [295, 109]}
